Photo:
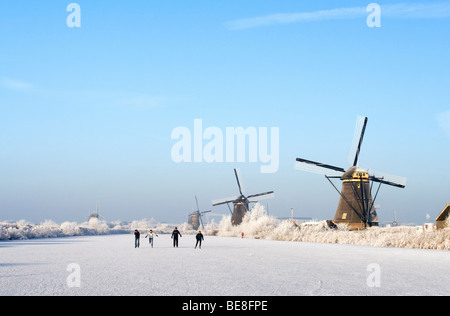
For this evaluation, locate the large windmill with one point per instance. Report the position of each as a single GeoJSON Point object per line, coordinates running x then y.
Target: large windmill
{"type": "Point", "coordinates": [195, 218]}
{"type": "Point", "coordinates": [241, 202]}
{"type": "Point", "coordinates": [356, 205]}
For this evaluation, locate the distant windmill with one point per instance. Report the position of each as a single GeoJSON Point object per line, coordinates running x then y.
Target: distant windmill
{"type": "Point", "coordinates": [241, 202]}
{"type": "Point", "coordinates": [356, 205]}
{"type": "Point", "coordinates": [195, 218]}
{"type": "Point", "coordinates": [395, 223]}
{"type": "Point", "coordinates": [96, 215]}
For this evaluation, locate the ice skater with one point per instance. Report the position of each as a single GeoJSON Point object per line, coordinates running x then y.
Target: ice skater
{"type": "Point", "coordinates": [150, 236]}
{"type": "Point", "coordinates": [175, 234]}
{"type": "Point", "coordinates": [199, 238]}
{"type": "Point", "coordinates": [137, 237]}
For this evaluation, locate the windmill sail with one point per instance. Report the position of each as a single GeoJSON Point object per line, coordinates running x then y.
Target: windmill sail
{"type": "Point", "coordinates": [196, 201]}
{"type": "Point", "coordinates": [318, 168]}
{"type": "Point", "coordinates": [360, 129]}
{"type": "Point", "coordinates": [225, 201]}
{"type": "Point", "coordinates": [262, 196]}
{"type": "Point", "coordinates": [237, 173]}
{"type": "Point", "coordinates": [389, 179]}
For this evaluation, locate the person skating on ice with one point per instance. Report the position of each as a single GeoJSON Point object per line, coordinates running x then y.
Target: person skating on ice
{"type": "Point", "coordinates": [150, 236]}
{"type": "Point", "coordinates": [175, 235]}
{"type": "Point", "coordinates": [137, 237]}
{"type": "Point", "coordinates": [199, 238]}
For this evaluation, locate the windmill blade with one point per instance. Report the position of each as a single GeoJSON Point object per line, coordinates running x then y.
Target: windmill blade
{"type": "Point", "coordinates": [396, 181]}
{"type": "Point", "coordinates": [238, 175]}
{"type": "Point", "coordinates": [398, 185]}
{"type": "Point", "coordinates": [317, 167]}
{"type": "Point", "coordinates": [201, 222]}
{"type": "Point", "coordinates": [262, 196]}
{"type": "Point", "coordinates": [196, 201]}
{"type": "Point", "coordinates": [360, 129]}
{"type": "Point", "coordinates": [205, 212]}
{"type": "Point", "coordinates": [225, 201]}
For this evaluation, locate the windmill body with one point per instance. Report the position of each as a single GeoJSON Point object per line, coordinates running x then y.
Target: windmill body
{"type": "Point", "coordinates": [356, 204]}
{"type": "Point", "coordinates": [194, 220]}
{"type": "Point", "coordinates": [240, 209]}
{"type": "Point", "coordinates": [241, 203]}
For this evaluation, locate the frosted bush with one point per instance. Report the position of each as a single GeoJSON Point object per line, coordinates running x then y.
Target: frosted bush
{"type": "Point", "coordinates": [145, 225]}
{"type": "Point", "coordinates": [285, 231]}
{"type": "Point", "coordinates": [47, 229]}
{"type": "Point", "coordinates": [187, 229]}
{"type": "Point", "coordinates": [211, 228]}
{"type": "Point", "coordinates": [257, 224]}
{"type": "Point", "coordinates": [13, 232]}
{"type": "Point", "coordinates": [70, 229]}
{"type": "Point", "coordinates": [98, 227]}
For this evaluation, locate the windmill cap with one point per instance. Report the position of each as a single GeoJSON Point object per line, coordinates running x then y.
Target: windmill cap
{"type": "Point", "coordinates": [349, 173]}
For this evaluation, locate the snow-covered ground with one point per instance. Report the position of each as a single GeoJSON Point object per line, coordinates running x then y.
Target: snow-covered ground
{"type": "Point", "coordinates": [226, 266]}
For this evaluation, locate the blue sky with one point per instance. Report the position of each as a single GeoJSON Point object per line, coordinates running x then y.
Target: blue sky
{"type": "Point", "coordinates": [87, 113]}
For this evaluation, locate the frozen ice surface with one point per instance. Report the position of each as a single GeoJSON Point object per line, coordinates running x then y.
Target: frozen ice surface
{"type": "Point", "coordinates": [225, 266]}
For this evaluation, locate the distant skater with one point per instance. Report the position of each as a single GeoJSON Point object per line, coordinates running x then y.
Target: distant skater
{"type": "Point", "coordinates": [175, 235]}
{"type": "Point", "coordinates": [150, 236]}
{"type": "Point", "coordinates": [137, 237]}
{"type": "Point", "coordinates": [199, 238]}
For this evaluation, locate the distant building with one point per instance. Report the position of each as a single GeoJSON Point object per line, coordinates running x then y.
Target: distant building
{"type": "Point", "coordinates": [443, 218]}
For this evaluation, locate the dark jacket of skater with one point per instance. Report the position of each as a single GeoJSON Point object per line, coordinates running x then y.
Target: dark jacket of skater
{"type": "Point", "coordinates": [199, 238]}
{"type": "Point", "coordinates": [175, 235]}
{"type": "Point", "coordinates": [137, 236]}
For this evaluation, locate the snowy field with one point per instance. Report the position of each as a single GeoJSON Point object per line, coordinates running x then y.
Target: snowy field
{"type": "Point", "coordinates": [110, 265]}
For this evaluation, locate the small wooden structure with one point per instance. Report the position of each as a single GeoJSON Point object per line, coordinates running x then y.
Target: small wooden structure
{"type": "Point", "coordinates": [443, 218]}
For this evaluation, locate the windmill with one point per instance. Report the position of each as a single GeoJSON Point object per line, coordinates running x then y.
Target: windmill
{"type": "Point", "coordinates": [195, 218]}
{"type": "Point", "coordinates": [95, 217]}
{"type": "Point", "coordinates": [356, 205]}
{"type": "Point", "coordinates": [241, 202]}
{"type": "Point", "coordinates": [395, 223]}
